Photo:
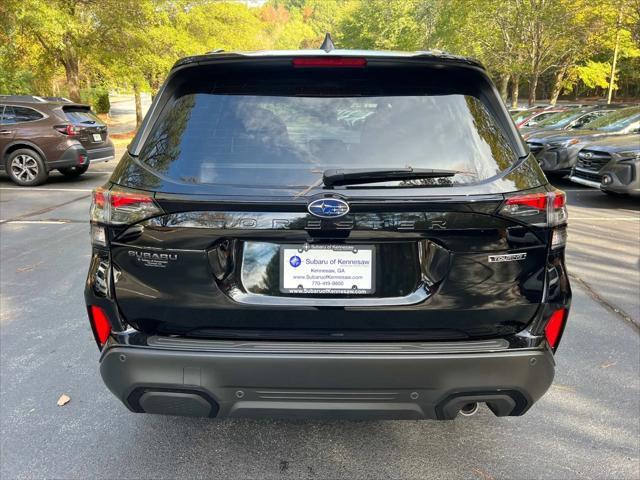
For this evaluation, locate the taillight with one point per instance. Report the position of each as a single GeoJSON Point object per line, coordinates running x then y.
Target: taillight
{"type": "Point", "coordinates": [116, 207]}
{"type": "Point", "coordinates": [544, 209]}
{"type": "Point", "coordinates": [329, 62]}
{"type": "Point", "coordinates": [531, 208]}
{"type": "Point", "coordinates": [99, 324]}
{"type": "Point", "coordinates": [70, 130]}
{"type": "Point", "coordinates": [554, 327]}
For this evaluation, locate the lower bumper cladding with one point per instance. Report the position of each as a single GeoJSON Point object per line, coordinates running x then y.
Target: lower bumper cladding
{"type": "Point", "coordinates": [283, 382]}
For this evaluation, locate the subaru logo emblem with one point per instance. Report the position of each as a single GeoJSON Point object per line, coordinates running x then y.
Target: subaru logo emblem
{"type": "Point", "coordinates": [328, 208]}
{"type": "Point", "coordinates": [588, 155]}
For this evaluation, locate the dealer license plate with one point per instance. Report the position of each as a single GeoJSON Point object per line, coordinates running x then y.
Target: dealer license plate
{"type": "Point", "coordinates": [327, 269]}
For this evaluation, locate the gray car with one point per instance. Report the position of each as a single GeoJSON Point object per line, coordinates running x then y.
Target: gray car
{"type": "Point", "coordinates": [568, 120]}
{"type": "Point", "coordinates": [611, 164]}
{"type": "Point", "coordinates": [557, 151]}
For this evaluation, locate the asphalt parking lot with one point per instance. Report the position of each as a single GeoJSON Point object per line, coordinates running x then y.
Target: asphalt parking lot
{"type": "Point", "coordinates": [587, 426]}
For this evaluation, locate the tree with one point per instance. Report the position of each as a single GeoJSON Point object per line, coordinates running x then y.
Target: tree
{"type": "Point", "coordinates": [67, 30]}
{"type": "Point", "coordinates": [286, 29]}
{"type": "Point", "coordinates": [380, 24]}
{"type": "Point", "coordinates": [542, 20]}
{"type": "Point", "coordinates": [492, 31]}
{"type": "Point", "coordinates": [67, 47]}
{"type": "Point", "coordinates": [621, 24]}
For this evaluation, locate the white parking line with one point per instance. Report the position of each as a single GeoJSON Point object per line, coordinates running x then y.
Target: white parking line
{"type": "Point", "coordinates": [586, 190]}
{"type": "Point", "coordinates": [633, 219]}
{"type": "Point", "coordinates": [46, 189]}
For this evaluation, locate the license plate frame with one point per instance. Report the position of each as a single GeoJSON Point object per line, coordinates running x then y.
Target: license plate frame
{"type": "Point", "coordinates": [329, 274]}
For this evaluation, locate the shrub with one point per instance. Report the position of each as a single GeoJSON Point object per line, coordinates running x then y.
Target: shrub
{"type": "Point", "coordinates": [101, 102]}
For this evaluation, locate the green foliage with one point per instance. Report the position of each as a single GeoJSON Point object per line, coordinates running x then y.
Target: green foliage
{"type": "Point", "coordinates": [383, 25]}
{"type": "Point", "coordinates": [594, 74]}
{"type": "Point", "coordinates": [101, 103]}
{"type": "Point", "coordinates": [222, 25]}
{"type": "Point", "coordinates": [97, 97]}
{"type": "Point", "coordinates": [63, 47]}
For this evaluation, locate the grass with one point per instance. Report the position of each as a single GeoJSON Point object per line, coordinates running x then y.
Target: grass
{"type": "Point", "coordinates": [121, 139]}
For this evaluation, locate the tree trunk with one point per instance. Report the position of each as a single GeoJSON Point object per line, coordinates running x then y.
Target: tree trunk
{"type": "Point", "coordinates": [72, 71]}
{"type": "Point", "coordinates": [155, 82]}
{"type": "Point", "coordinates": [612, 77]}
{"type": "Point", "coordinates": [533, 85]}
{"type": "Point", "coordinates": [155, 87]}
{"type": "Point", "coordinates": [557, 85]}
{"type": "Point", "coordinates": [503, 86]}
{"type": "Point", "coordinates": [136, 92]}
{"type": "Point", "coordinates": [515, 87]}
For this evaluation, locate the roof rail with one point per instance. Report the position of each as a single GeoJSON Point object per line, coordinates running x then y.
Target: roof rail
{"type": "Point", "coordinates": [217, 50]}
{"type": "Point", "coordinates": [57, 99]}
{"type": "Point", "coordinates": [327, 44]}
{"type": "Point", "coordinates": [22, 98]}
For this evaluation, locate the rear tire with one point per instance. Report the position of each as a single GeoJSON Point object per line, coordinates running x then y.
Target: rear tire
{"type": "Point", "coordinates": [74, 172]}
{"type": "Point", "coordinates": [25, 167]}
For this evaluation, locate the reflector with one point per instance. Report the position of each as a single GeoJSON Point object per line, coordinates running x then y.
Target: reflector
{"type": "Point", "coordinates": [554, 326]}
{"type": "Point", "coordinates": [100, 324]}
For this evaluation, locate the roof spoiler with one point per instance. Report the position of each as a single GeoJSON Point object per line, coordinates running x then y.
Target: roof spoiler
{"type": "Point", "coordinates": [83, 106]}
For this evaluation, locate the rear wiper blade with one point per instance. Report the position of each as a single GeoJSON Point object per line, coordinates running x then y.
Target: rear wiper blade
{"type": "Point", "coordinates": [335, 177]}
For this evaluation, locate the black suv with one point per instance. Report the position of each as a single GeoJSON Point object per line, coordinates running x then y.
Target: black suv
{"type": "Point", "coordinates": [40, 134]}
{"type": "Point", "coordinates": [328, 232]}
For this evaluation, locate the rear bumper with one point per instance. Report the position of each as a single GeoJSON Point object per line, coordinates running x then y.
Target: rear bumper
{"type": "Point", "coordinates": [233, 379]}
{"type": "Point", "coordinates": [102, 154]}
{"type": "Point", "coordinates": [74, 156]}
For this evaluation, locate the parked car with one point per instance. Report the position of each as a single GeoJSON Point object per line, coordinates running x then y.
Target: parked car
{"type": "Point", "coordinates": [572, 119]}
{"type": "Point", "coordinates": [530, 118]}
{"type": "Point", "coordinates": [611, 164]}
{"type": "Point", "coordinates": [254, 255]}
{"type": "Point", "coordinates": [38, 135]}
{"type": "Point", "coordinates": [557, 151]}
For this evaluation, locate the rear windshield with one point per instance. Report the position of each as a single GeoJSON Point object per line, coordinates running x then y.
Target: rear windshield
{"type": "Point", "coordinates": [289, 141]}
{"type": "Point", "coordinates": [79, 116]}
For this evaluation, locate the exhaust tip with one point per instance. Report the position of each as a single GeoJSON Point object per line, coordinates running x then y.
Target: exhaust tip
{"type": "Point", "coordinates": [469, 409]}
{"type": "Point", "coordinates": [173, 401]}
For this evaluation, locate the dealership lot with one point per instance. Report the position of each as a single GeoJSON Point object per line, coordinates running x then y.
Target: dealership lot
{"type": "Point", "coordinates": [587, 426]}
